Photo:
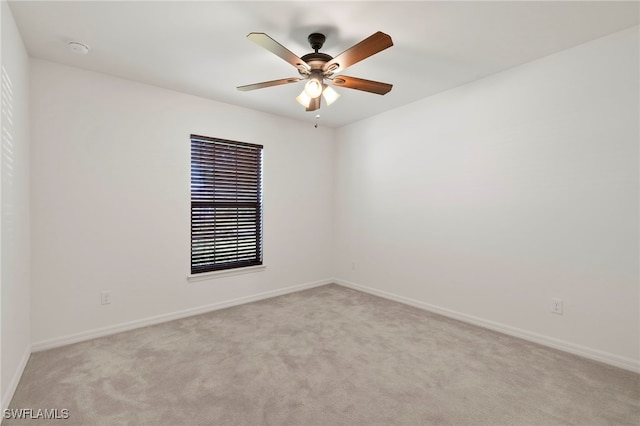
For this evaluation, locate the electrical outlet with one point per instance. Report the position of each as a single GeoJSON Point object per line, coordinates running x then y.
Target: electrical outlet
{"type": "Point", "coordinates": [105, 297]}
{"type": "Point", "coordinates": [556, 306]}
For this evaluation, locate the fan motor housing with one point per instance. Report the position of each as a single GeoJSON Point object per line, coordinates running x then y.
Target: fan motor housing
{"type": "Point", "coordinates": [315, 61]}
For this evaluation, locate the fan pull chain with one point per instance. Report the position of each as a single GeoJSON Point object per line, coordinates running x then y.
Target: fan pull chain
{"type": "Point", "coordinates": [317, 116]}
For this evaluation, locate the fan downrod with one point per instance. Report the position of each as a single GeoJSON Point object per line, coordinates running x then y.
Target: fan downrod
{"type": "Point", "coordinates": [316, 40]}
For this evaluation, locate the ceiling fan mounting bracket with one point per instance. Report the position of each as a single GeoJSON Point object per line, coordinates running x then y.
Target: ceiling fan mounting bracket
{"type": "Point", "coordinates": [316, 40]}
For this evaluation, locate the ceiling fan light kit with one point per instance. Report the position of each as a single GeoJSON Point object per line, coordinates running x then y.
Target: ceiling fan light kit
{"type": "Point", "coordinates": [329, 95]}
{"type": "Point", "coordinates": [316, 67]}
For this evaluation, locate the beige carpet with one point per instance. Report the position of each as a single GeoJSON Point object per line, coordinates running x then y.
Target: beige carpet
{"type": "Point", "coordinates": [325, 356]}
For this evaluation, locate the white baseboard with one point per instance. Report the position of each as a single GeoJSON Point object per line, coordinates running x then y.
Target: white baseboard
{"type": "Point", "coordinates": [594, 354]}
{"type": "Point", "coordinates": [586, 352]}
{"type": "Point", "coordinates": [17, 375]}
{"type": "Point", "coordinates": [118, 328]}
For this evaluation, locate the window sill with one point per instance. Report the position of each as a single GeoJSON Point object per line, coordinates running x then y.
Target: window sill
{"type": "Point", "coordinates": [224, 273]}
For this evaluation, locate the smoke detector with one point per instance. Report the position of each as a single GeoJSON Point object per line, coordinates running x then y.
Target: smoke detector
{"type": "Point", "coordinates": [79, 48]}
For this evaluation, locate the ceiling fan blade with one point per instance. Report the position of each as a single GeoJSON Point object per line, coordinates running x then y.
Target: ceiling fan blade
{"type": "Point", "coordinates": [268, 84]}
{"type": "Point", "coordinates": [274, 47]}
{"type": "Point", "coordinates": [362, 84]}
{"type": "Point", "coordinates": [369, 46]}
{"type": "Point", "coordinates": [314, 104]}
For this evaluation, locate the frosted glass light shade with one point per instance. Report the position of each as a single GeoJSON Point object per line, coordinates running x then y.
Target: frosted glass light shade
{"type": "Point", "coordinates": [330, 95]}
{"type": "Point", "coordinates": [304, 99]}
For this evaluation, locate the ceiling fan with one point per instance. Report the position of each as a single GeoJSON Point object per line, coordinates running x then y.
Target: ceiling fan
{"type": "Point", "coordinates": [316, 67]}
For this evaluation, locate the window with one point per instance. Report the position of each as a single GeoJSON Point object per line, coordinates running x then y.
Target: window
{"type": "Point", "coordinates": [226, 204]}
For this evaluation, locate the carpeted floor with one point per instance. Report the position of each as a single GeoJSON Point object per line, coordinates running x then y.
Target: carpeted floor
{"type": "Point", "coordinates": [325, 356]}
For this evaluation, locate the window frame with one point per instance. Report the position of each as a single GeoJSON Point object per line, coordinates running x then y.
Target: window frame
{"type": "Point", "coordinates": [212, 203]}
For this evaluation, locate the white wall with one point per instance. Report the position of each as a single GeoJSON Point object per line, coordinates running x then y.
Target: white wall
{"type": "Point", "coordinates": [486, 201]}
{"type": "Point", "coordinates": [14, 208]}
{"type": "Point", "coordinates": [111, 179]}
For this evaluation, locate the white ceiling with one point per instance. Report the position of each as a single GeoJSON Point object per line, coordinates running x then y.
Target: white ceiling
{"type": "Point", "coordinates": [200, 47]}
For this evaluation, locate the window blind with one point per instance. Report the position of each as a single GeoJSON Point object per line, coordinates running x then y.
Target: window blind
{"type": "Point", "coordinates": [226, 204]}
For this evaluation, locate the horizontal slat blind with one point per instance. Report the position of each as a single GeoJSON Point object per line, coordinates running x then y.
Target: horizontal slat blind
{"type": "Point", "coordinates": [226, 204]}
